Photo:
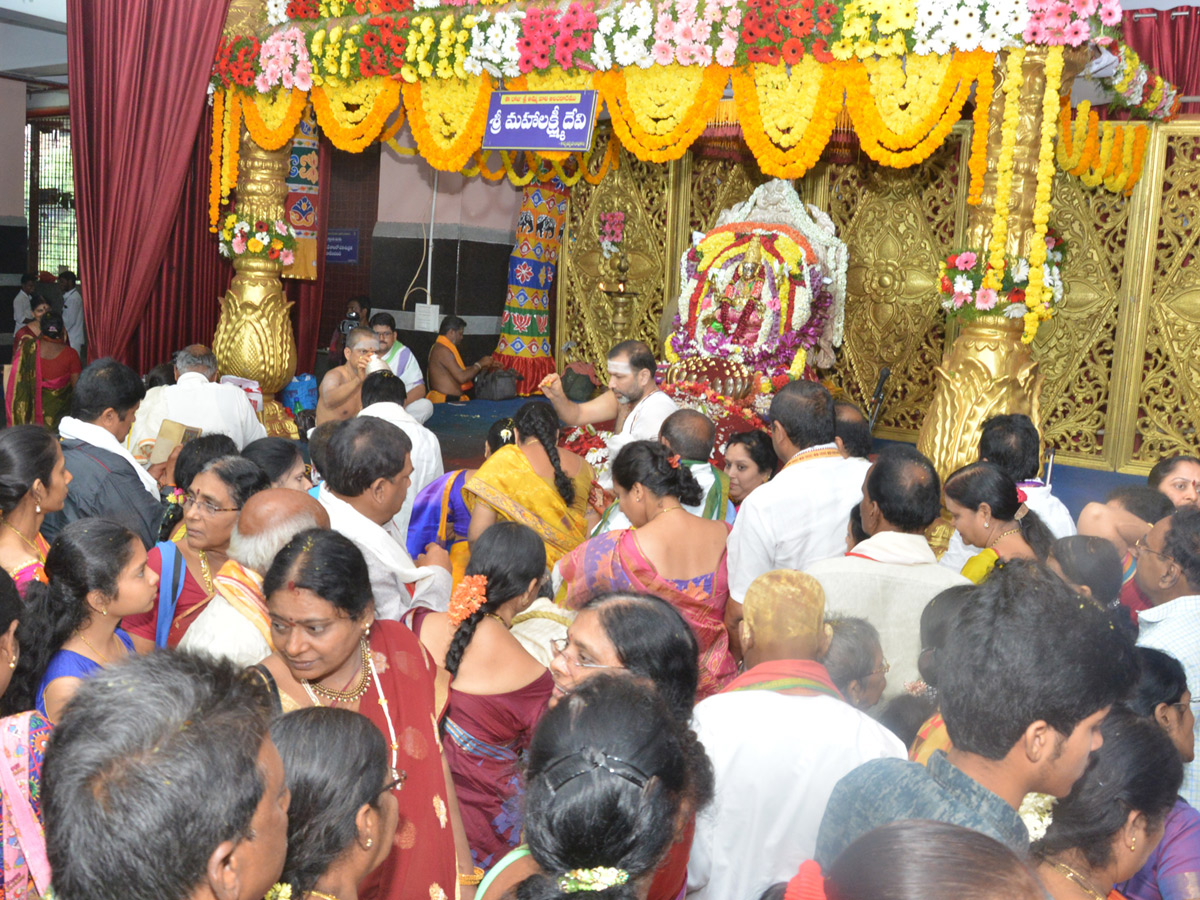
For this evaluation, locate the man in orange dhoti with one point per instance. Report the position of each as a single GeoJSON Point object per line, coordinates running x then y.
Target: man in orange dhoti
{"type": "Point", "coordinates": [449, 379]}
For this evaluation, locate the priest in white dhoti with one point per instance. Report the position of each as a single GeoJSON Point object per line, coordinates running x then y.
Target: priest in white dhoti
{"type": "Point", "coordinates": [368, 463]}
{"type": "Point", "coordinates": [235, 625]}
{"type": "Point", "coordinates": [633, 400]}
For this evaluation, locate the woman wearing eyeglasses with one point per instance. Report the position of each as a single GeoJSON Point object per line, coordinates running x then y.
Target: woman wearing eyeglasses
{"type": "Point", "coordinates": [498, 691]}
{"type": "Point", "coordinates": [187, 565]}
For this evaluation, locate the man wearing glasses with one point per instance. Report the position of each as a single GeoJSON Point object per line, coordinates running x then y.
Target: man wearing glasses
{"type": "Point", "coordinates": [1168, 572]}
{"type": "Point", "coordinates": [404, 365]}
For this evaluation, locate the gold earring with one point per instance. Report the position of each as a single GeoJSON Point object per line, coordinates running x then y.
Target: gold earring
{"type": "Point", "coordinates": [1133, 844]}
{"type": "Point", "coordinates": [104, 610]}
{"type": "Point", "coordinates": [12, 663]}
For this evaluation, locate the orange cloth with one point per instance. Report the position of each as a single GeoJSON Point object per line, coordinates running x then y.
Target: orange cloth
{"type": "Point", "coordinates": [932, 736]}
{"type": "Point", "coordinates": [438, 396]}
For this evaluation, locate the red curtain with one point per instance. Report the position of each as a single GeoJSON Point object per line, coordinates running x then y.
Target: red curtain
{"type": "Point", "coordinates": [308, 295]}
{"type": "Point", "coordinates": [138, 72]}
{"type": "Point", "coordinates": [185, 298]}
{"type": "Point", "coordinates": [1169, 42]}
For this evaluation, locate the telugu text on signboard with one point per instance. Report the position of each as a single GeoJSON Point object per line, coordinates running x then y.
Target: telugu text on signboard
{"type": "Point", "coordinates": [540, 120]}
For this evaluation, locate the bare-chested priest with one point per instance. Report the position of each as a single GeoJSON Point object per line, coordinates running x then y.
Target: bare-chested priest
{"type": "Point", "coordinates": [341, 388]}
{"type": "Point", "coordinates": [449, 379]}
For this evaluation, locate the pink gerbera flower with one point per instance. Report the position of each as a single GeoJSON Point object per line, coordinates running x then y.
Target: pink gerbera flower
{"type": "Point", "coordinates": [1110, 13]}
{"type": "Point", "coordinates": [664, 55]}
{"type": "Point", "coordinates": [1077, 32]}
{"type": "Point", "coordinates": [1035, 33]}
{"type": "Point", "coordinates": [985, 299]}
{"type": "Point", "coordinates": [965, 261]}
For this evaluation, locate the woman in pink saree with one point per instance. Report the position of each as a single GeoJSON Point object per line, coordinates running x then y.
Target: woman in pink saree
{"type": "Point", "coordinates": [43, 376]}
{"type": "Point", "coordinates": [669, 553]}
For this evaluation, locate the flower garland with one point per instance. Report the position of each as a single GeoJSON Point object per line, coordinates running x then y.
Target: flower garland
{"type": "Point", "coordinates": [447, 119]}
{"type": "Point", "coordinates": [374, 100]}
{"type": "Point", "coordinates": [965, 295]}
{"type": "Point", "coordinates": [215, 169]}
{"type": "Point", "coordinates": [911, 94]}
{"type": "Point", "coordinates": [272, 121]}
{"type": "Point", "coordinates": [802, 107]}
{"type": "Point", "coordinates": [1140, 90]}
{"type": "Point", "coordinates": [1014, 79]}
{"type": "Point", "coordinates": [1039, 308]}
{"type": "Point", "coordinates": [468, 596]}
{"type": "Point", "coordinates": [265, 240]}
{"type": "Point", "coordinates": [977, 164]}
{"type": "Point", "coordinates": [236, 63]}
{"type": "Point", "coordinates": [783, 31]}
{"type": "Point", "coordinates": [659, 112]}
{"type": "Point", "coordinates": [231, 144]}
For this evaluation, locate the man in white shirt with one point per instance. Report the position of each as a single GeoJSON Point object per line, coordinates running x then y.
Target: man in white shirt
{"type": "Point", "coordinates": [403, 363]}
{"type": "Point", "coordinates": [890, 577]}
{"type": "Point", "coordinates": [801, 516]}
{"type": "Point", "coordinates": [235, 625]}
{"type": "Point", "coordinates": [1168, 573]}
{"type": "Point", "coordinates": [691, 436]}
{"type": "Point", "coordinates": [780, 736]}
{"type": "Point", "coordinates": [72, 311]}
{"type": "Point", "coordinates": [632, 399]}
{"type": "Point", "coordinates": [367, 471]}
{"type": "Point", "coordinates": [383, 397]}
{"type": "Point", "coordinates": [195, 400]}
{"type": "Point", "coordinates": [1013, 443]}
{"type": "Point", "coordinates": [23, 303]}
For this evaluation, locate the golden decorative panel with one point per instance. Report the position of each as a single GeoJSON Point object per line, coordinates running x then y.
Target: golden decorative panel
{"type": "Point", "coordinates": [898, 224]}
{"type": "Point", "coordinates": [585, 313]}
{"type": "Point", "coordinates": [1076, 348]}
{"type": "Point", "coordinates": [718, 184]}
{"type": "Point", "coordinates": [1165, 335]}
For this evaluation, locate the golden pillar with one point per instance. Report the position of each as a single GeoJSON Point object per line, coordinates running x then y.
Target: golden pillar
{"type": "Point", "coordinates": [254, 336]}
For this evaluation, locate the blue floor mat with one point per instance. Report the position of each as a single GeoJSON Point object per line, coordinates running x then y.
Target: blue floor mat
{"type": "Point", "coordinates": [462, 427]}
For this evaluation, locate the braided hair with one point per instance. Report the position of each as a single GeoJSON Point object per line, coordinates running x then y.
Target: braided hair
{"type": "Point", "coordinates": [655, 468]}
{"type": "Point", "coordinates": [509, 555]}
{"type": "Point", "coordinates": [537, 419]}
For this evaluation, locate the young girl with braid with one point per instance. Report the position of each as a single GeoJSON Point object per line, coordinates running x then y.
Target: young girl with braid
{"type": "Point", "coordinates": [498, 691]}
{"type": "Point", "coordinates": [535, 483]}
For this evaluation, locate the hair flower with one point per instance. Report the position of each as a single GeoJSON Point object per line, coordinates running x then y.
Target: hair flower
{"type": "Point", "coordinates": [673, 459]}
{"type": "Point", "coordinates": [468, 596]}
{"type": "Point", "coordinates": [601, 878]}
{"type": "Point", "coordinates": [1021, 496]}
{"type": "Point", "coordinates": [807, 884]}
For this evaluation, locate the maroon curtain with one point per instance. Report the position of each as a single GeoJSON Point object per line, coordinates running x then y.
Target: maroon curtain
{"type": "Point", "coordinates": [138, 71]}
{"type": "Point", "coordinates": [308, 295]}
{"type": "Point", "coordinates": [185, 298]}
{"type": "Point", "coordinates": [1169, 42]}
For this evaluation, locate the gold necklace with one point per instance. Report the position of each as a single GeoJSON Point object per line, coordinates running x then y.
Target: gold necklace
{"type": "Point", "coordinates": [321, 896]}
{"type": "Point", "coordinates": [202, 555]}
{"type": "Point", "coordinates": [103, 658]}
{"type": "Point", "coordinates": [497, 618]}
{"type": "Point", "coordinates": [28, 543]}
{"type": "Point", "coordinates": [1003, 535]}
{"type": "Point", "coordinates": [1076, 879]}
{"type": "Point", "coordinates": [351, 695]}
{"type": "Point", "coordinates": [667, 510]}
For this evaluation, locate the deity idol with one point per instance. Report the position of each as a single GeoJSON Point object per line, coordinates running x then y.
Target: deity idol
{"type": "Point", "coordinates": [763, 296]}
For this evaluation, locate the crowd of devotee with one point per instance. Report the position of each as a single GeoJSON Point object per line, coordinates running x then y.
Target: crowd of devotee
{"type": "Point", "coordinates": [254, 667]}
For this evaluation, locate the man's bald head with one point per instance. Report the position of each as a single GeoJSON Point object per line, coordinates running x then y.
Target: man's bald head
{"type": "Point", "coordinates": [268, 521]}
{"type": "Point", "coordinates": [784, 618]}
{"type": "Point", "coordinates": [690, 434]}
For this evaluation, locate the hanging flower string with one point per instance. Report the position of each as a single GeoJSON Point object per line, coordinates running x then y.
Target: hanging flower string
{"type": "Point", "coordinates": [214, 160]}
{"type": "Point", "coordinates": [998, 240]}
{"type": "Point", "coordinates": [1035, 301]}
{"type": "Point", "coordinates": [468, 596]}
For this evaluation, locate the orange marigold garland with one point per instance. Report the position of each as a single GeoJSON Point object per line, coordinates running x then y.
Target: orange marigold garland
{"type": "Point", "coordinates": [977, 166]}
{"type": "Point", "coordinates": [689, 122]}
{"type": "Point", "coordinates": [468, 596]}
{"type": "Point", "coordinates": [266, 136]}
{"type": "Point", "coordinates": [214, 161]}
{"type": "Point", "coordinates": [233, 143]}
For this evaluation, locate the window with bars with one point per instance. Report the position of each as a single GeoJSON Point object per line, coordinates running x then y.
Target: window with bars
{"type": "Point", "coordinates": [50, 195]}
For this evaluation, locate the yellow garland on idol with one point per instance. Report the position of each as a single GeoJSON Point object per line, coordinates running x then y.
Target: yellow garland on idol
{"type": "Point", "coordinates": [1013, 82]}
{"type": "Point", "coordinates": [1035, 294]}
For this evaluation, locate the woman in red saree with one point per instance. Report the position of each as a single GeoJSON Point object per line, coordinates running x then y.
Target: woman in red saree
{"type": "Point", "coordinates": [499, 691]}
{"type": "Point", "coordinates": [331, 651]}
{"type": "Point", "coordinates": [669, 553]}
{"type": "Point", "coordinates": [43, 376]}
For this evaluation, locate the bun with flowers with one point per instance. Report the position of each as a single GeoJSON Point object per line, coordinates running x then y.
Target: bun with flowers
{"type": "Point", "coordinates": [656, 469]}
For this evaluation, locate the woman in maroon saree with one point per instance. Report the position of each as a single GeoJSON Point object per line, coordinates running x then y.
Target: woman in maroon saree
{"type": "Point", "coordinates": [498, 692]}
{"type": "Point", "coordinates": [669, 553]}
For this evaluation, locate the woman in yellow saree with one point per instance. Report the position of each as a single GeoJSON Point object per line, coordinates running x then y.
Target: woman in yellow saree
{"type": "Point", "coordinates": [535, 483]}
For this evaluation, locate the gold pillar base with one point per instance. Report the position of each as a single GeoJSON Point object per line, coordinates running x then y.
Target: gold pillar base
{"type": "Point", "coordinates": [254, 333]}
{"type": "Point", "coordinates": [276, 420]}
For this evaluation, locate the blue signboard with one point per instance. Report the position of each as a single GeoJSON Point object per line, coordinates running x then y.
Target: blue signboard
{"type": "Point", "coordinates": [540, 120]}
{"type": "Point", "coordinates": [341, 246]}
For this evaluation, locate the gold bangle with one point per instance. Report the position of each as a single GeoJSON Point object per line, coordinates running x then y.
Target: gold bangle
{"type": "Point", "coordinates": [471, 880]}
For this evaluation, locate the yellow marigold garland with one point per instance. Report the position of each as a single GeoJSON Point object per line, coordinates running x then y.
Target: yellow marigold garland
{"type": "Point", "coordinates": [447, 118]}
{"type": "Point", "coordinates": [803, 109]}
{"type": "Point", "coordinates": [233, 143]}
{"type": "Point", "coordinates": [272, 121]}
{"type": "Point", "coordinates": [922, 85]}
{"type": "Point", "coordinates": [658, 112]}
{"type": "Point", "coordinates": [1014, 79]}
{"type": "Point", "coordinates": [1035, 300]}
{"type": "Point", "coordinates": [977, 165]}
{"type": "Point", "coordinates": [373, 99]}
{"type": "Point", "coordinates": [214, 161]}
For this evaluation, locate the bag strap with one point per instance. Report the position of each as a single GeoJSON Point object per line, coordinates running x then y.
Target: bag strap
{"type": "Point", "coordinates": [168, 591]}
{"type": "Point", "coordinates": [263, 674]}
{"type": "Point", "coordinates": [29, 831]}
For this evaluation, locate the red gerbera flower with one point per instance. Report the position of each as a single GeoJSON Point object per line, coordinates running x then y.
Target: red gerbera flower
{"type": "Point", "coordinates": [792, 51]}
